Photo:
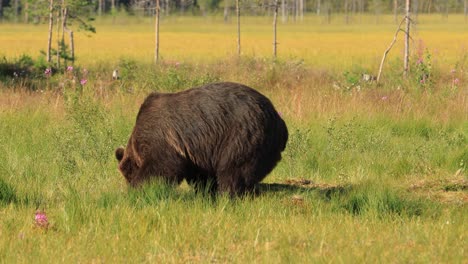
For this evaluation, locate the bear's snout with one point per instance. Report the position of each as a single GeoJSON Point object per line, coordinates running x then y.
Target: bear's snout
{"type": "Point", "coordinates": [119, 153]}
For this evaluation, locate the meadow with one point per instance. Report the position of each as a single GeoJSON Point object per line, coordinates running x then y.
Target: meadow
{"type": "Point", "coordinates": [371, 173]}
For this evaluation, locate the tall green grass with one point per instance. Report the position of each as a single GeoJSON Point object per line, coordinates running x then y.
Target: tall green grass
{"type": "Point", "coordinates": [363, 179]}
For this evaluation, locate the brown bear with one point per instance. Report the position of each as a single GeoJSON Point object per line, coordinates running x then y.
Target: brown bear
{"type": "Point", "coordinates": [223, 137]}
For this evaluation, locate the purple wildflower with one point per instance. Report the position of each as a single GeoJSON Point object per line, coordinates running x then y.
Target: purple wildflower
{"type": "Point", "coordinates": [41, 219]}
{"type": "Point", "coordinates": [48, 72]}
{"type": "Point", "coordinates": [83, 81]}
{"type": "Point", "coordinates": [69, 68]}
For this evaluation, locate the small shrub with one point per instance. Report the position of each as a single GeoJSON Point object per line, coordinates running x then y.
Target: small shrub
{"type": "Point", "coordinates": [7, 193]}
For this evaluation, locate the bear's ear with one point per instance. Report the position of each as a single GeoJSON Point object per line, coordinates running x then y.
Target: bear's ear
{"type": "Point", "coordinates": [119, 153]}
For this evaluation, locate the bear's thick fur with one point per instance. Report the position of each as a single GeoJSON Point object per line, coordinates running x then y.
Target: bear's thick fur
{"type": "Point", "coordinates": [222, 137]}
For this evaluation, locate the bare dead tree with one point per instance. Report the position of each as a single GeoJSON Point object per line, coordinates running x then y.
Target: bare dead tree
{"type": "Point", "coordinates": [100, 7]}
{"type": "Point", "coordinates": [388, 49]}
{"type": "Point", "coordinates": [26, 12]}
{"type": "Point", "coordinates": [283, 11]}
{"type": "Point", "coordinates": [51, 25]}
{"type": "Point", "coordinates": [346, 11]}
{"type": "Point", "coordinates": [415, 13]}
{"type": "Point", "coordinates": [301, 10]}
{"type": "Point", "coordinates": [156, 29]}
{"type": "Point", "coordinates": [238, 28]}
{"type": "Point", "coordinates": [275, 15]}
{"type": "Point", "coordinates": [407, 37]}
{"type": "Point", "coordinates": [377, 11]}
{"type": "Point", "coordinates": [226, 10]}
{"type": "Point", "coordinates": [59, 13]}
{"type": "Point", "coordinates": [70, 33]}
{"type": "Point", "coordinates": [466, 10]}
{"type": "Point", "coordinates": [16, 12]}
{"type": "Point", "coordinates": [1, 10]}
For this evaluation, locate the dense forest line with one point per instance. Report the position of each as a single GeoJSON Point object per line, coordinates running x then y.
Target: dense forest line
{"type": "Point", "coordinates": [35, 11]}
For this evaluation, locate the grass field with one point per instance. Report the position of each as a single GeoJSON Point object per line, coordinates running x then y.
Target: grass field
{"type": "Point", "coordinates": [371, 173]}
{"type": "Point", "coordinates": [187, 39]}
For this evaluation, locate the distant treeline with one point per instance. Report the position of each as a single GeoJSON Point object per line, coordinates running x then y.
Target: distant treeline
{"type": "Point", "coordinates": [36, 10]}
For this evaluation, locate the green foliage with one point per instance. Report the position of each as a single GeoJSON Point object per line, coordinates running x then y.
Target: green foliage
{"type": "Point", "coordinates": [7, 193]}
{"type": "Point", "coordinates": [89, 136]}
{"type": "Point", "coordinates": [383, 202]}
{"type": "Point", "coordinates": [423, 70]}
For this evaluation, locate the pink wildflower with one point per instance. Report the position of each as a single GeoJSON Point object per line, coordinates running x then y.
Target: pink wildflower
{"type": "Point", "coordinates": [384, 98]}
{"type": "Point", "coordinates": [70, 68]}
{"type": "Point", "coordinates": [456, 81]}
{"type": "Point", "coordinates": [41, 219]}
{"type": "Point", "coordinates": [422, 81]}
{"type": "Point", "coordinates": [48, 72]}
{"type": "Point", "coordinates": [83, 81]}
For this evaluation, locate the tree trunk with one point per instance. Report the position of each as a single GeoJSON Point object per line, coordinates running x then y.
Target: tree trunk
{"type": "Point", "coordinates": [275, 15]}
{"type": "Point", "coordinates": [395, 11]}
{"type": "Point", "coordinates": [283, 11]}
{"type": "Point", "coordinates": [238, 28]}
{"type": "Point", "coordinates": [156, 29]}
{"type": "Point", "coordinates": [59, 48]}
{"type": "Point", "coordinates": [16, 10]}
{"type": "Point", "coordinates": [51, 25]}
{"type": "Point", "coordinates": [296, 9]}
{"type": "Point", "coordinates": [377, 11]}
{"type": "Point", "coordinates": [100, 7]}
{"type": "Point", "coordinates": [301, 10]}
{"type": "Point", "coordinates": [70, 32]}
{"type": "Point", "coordinates": [58, 39]}
{"type": "Point", "coordinates": [388, 50]}
{"type": "Point", "coordinates": [1, 10]}
{"type": "Point", "coordinates": [26, 12]}
{"type": "Point", "coordinates": [72, 47]}
{"type": "Point", "coordinates": [64, 26]}
{"type": "Point", "coordinates": [226, 10]}
{"type": "Point", "coordinates": [415, 8]}
{"type": "Point", "coordinates": [319, 3]}
{"type": "Point", "coordinates": [346, 12]}
{"type": "Point", "coordinates": [466, 10]}
{"type": "Point", "coordinates": [407, 37]}
{"type": "Point", "coordinates": [354, 8]}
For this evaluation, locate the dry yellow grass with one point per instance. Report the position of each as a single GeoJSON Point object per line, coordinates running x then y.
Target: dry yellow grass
{"type": "Point", "coordinates": [332, 46]}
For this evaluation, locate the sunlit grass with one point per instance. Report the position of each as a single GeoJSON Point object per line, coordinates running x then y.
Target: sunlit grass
{"type": "Point", "coordinates": [333, 46]}
{"type": "Point", "coordinates": [371, 173]}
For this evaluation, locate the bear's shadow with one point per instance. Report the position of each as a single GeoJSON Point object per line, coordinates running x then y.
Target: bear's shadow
{"type": "Point", "coordinates": [325, 191]}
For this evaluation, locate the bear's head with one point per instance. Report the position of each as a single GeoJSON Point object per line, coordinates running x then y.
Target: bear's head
{"type": "Point", "coordinates": [127, 165]}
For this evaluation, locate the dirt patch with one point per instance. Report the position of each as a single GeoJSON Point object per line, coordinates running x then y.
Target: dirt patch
{"type": "Point", "coordinates": [310, 184]}
{"type": "Point", "coordinates": [446, 191]}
